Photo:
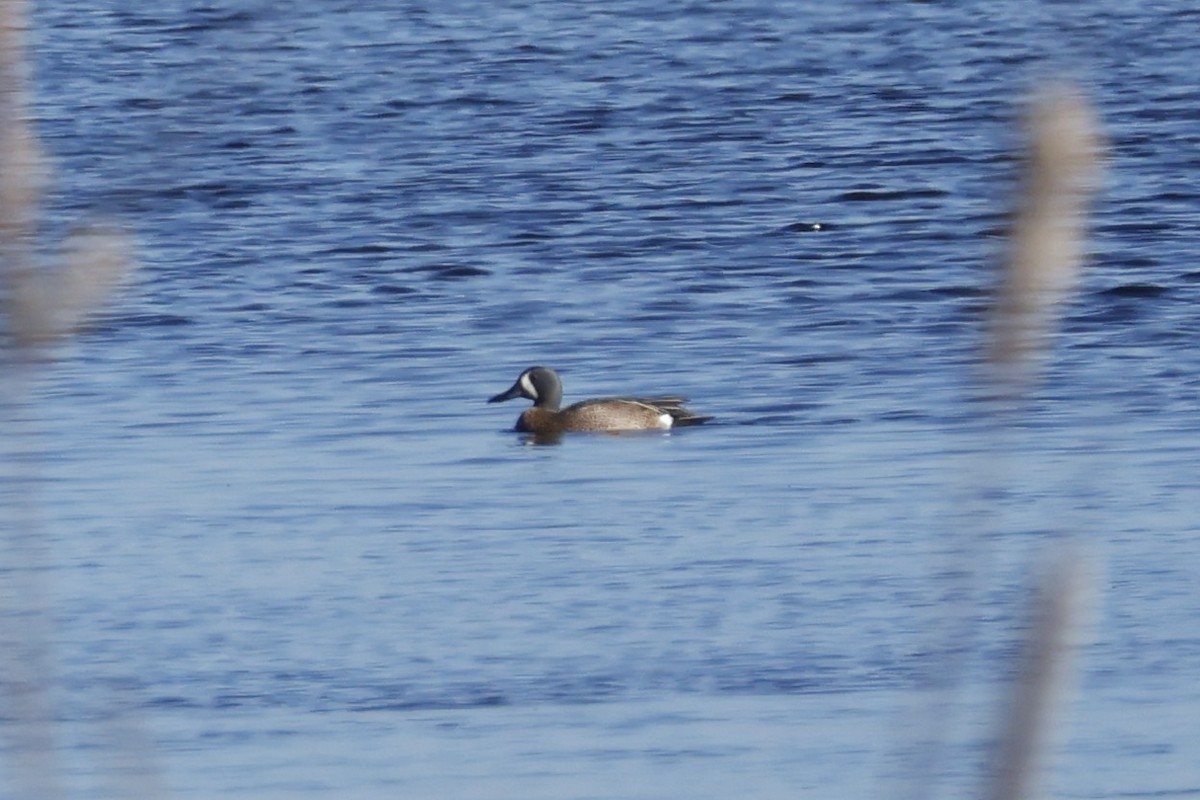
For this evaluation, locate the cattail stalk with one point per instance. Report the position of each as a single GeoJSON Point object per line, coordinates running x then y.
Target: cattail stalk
{"type": "Point", "coordinates": [1043, 266]}
{"type": "Point", "coordinates": [1046, 243]}
{"type": "Point", "coordinates": [1058, 611]}
{"type": "Point", "coordinates": [37, 308]}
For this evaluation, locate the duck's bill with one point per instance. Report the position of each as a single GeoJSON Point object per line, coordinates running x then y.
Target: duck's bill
{"type": "Point", "coordinates": [513, 391]}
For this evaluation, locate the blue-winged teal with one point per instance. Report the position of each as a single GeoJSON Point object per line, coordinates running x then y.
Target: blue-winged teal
{"type": "Point", "coordinates": [612, 414]}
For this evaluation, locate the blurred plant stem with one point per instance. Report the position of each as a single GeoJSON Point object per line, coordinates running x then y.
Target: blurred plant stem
{"type": "Point", "coordinates": [1035, 280]}
{"type": "Point", "coordinates": [39, 307]}
{"type": "Point", "coordinates": [1058, 610]}
{"type": "Point", "coordinates": [1044, 262]}
{"type": "Point", "coordinates": [1045, 246]}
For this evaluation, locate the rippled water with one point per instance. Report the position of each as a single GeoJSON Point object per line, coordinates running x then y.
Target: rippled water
{"type": "Point", "coordinates": [293, 553]}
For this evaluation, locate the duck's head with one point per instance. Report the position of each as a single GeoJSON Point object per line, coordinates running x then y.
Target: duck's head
{"type": "Point", "coordinates": [539, 384]}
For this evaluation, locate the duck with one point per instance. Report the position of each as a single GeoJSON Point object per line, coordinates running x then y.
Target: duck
{"type": "Point", "coordinates": [603, 414]}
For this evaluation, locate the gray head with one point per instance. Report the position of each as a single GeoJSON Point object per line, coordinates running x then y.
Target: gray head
{"type": "Point", "coordinates": [539, 384]}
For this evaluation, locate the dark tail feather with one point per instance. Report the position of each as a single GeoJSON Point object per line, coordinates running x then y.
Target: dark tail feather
{"type": "Point", "coordinates": [672, 404]}
{"type": "Point", "coordinates": [680, 415]}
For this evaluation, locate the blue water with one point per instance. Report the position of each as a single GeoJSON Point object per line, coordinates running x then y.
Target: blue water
{"type": "Point", "coordinates": [290, 552]}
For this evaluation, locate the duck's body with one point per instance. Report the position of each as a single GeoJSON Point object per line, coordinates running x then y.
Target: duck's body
{"type": "Point", "coordinates": [605, 414]}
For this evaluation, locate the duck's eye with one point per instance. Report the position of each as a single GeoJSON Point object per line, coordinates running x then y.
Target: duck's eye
{"type": "Point", "coordinates": [527, 385]}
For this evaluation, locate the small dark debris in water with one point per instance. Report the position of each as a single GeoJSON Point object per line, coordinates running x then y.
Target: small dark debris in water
{"type": "Point", "coordinates": [806, 227]}
{"type": "Point", "coordinates": [1135, 290]}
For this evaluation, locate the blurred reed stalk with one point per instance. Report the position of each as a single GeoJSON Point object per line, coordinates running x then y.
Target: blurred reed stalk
{"type": "Point", "coordinates": [1047, 237]}
{"type": "Point", "coordinates": [1042, 269]}
{"type": "Point", "coordinates": [1058, 610]}
{"type": "Point", "coordinates": [38, 307]}
{"type": "Point", "coordinates": [1036, 278]}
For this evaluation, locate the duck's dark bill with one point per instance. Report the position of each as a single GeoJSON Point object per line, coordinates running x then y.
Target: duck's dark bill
{"type": "Point", "coordinates": [513, 391]}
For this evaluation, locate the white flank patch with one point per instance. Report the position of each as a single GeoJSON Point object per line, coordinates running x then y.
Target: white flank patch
{"type": "Point", "coordinates": [665, 420]}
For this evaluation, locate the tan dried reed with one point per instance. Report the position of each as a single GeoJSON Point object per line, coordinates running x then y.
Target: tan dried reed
{"type": "Point", "coordinates": [1046, 242]}
{"type": "Point", "coordinates": [37, 307]}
